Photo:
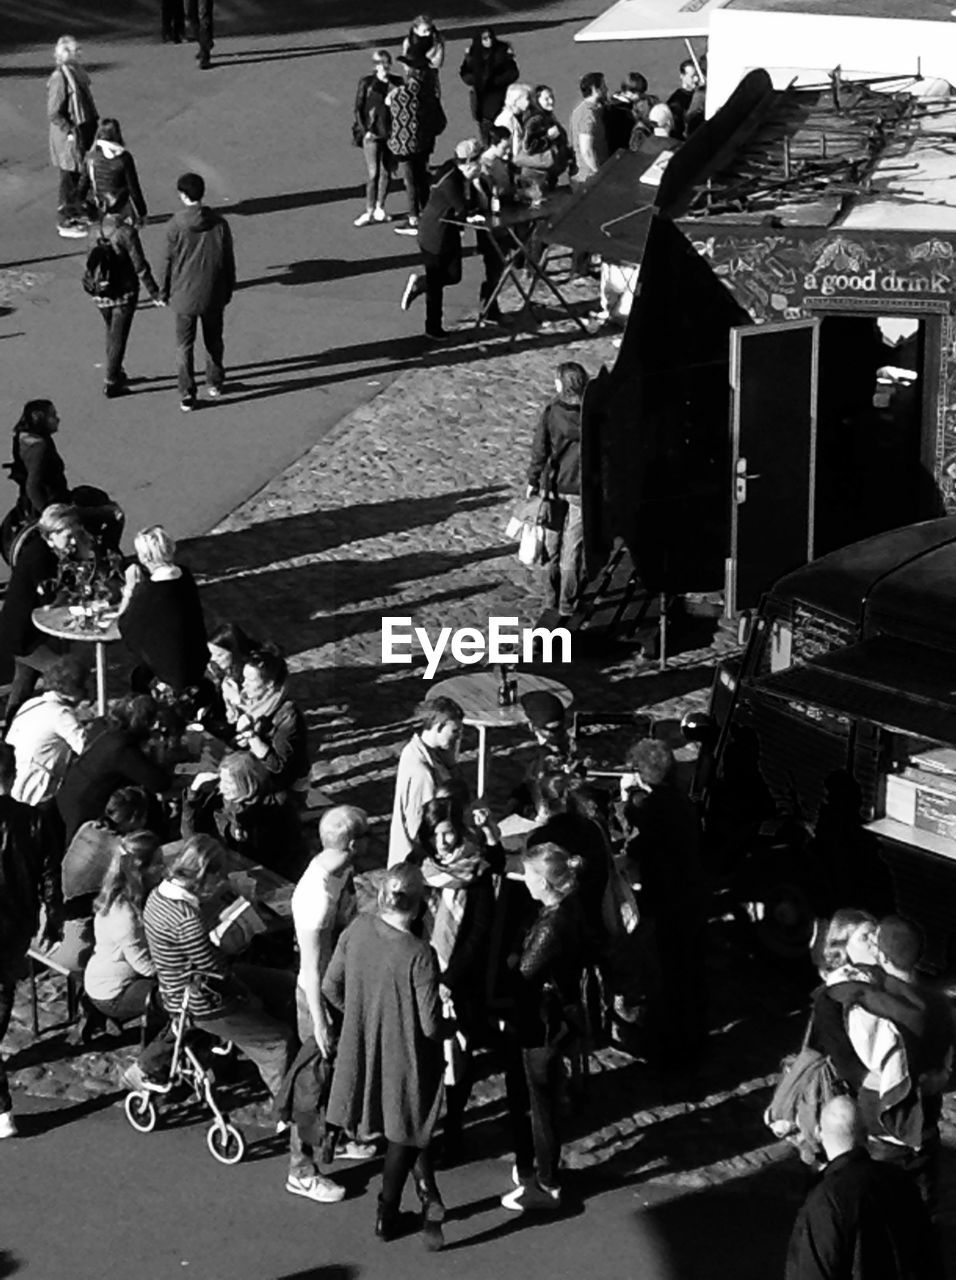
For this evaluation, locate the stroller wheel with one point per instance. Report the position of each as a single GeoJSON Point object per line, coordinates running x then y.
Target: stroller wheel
{"type": "Point", "coordinates": [225, 1142]}
{"type": "Point", "coordinates": [141, 1112]}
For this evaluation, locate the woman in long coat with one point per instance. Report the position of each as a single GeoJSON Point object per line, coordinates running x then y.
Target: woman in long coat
{"type": "Point", "coordinates": [488, 69]}
{"type": "Point", "coordinates": [389, 1060]}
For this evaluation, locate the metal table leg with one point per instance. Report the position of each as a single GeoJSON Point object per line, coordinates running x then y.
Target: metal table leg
{"type": "Point", "coordinates": [100, 678]}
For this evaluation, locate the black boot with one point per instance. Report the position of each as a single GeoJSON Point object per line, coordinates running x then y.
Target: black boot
{"type": "Point", "coordinates": [433, 1215]}
{"type": "Point", "coordinates": [386, 1221]}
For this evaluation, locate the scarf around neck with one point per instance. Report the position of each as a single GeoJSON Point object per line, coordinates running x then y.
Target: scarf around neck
{"type": "Point", "coordinates": [448, 884]}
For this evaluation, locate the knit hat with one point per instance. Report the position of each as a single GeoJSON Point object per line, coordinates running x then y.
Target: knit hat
{"type": "Point", "coordinates": [544, 710]}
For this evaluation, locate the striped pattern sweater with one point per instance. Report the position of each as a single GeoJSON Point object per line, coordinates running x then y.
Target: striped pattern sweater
{"type": "Point", "coordinates": [178, 943]}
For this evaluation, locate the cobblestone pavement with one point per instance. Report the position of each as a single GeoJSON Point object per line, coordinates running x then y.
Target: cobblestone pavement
{"type": "Point", "coordinates": [402, 512]}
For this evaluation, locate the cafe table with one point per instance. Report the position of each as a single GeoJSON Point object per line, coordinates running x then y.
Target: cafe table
{"type": "Point", "coordinates": [476, 692]}
{"type": "Point", "coordinates": [82, 624]}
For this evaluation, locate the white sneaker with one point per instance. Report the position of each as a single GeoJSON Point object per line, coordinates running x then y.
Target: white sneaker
{"type": "Point", "coordinates": [214, 393]}
{"type": "Point", "coordinates": [354, 1150]}
{"type": "Point", "coordinates": [531, 1198]}
{"type": "Point", "coordinates": [363, 219]}
{"type": "Point", "coordinates": [409, 229]}
{"type": "Point", "coordinates": [379, 215]}
{"type": "Point", "coordinates": [315, 1187]}
{"type": "Point", "coordinates": [72, 230]}
{"type": "Point", "coordinates": [8, 1126]}
{"type": "Point", "coordinates": [411, 291]}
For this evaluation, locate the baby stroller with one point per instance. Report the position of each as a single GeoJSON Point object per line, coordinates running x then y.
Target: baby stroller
{"type": "Point", "coordinates": [186, 1067]}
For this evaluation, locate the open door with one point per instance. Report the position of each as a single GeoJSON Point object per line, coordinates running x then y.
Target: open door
{"type": "Point", "coordinates": [773, 381]}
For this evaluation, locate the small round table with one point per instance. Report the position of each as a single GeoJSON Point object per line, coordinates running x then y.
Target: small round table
{"type": "Point", "coordinates": [476, 692]}
{"type": "Point", "coordinates": [99, 629]}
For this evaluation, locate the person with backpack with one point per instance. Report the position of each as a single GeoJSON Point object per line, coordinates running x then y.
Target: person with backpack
{"type": "Point", "coordinates": [72, 114]}
{"type": "Point", "coordinates": [114, 181]}
{"type": "Point", "coordinates": [114, 267]}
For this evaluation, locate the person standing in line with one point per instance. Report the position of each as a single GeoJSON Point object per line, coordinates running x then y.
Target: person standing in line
{"type": "Point", "coordinates": [173, 21]}
{"type": "Point", "coordinates": [588, 137]}
{"type": "Point", "coordinates": [555, 471]}
{"type": "Point", "coordinates": [29, 879]}
{"type": "Point", "coordinates": [416, 120]}
{"type": "Point", "coordinates": [439, 238]}
{"type": "Point", "coordinates": [118, 307]}
{"type": "Point", "coordinates": [424, 40]}
{"type": "Point", "coordinates": [687, 100]}
{"type": "Point", "coordinates": [200, 14]}
{"type": "Point", "coordinates": [198, 280]}
{"type": "Point", "coordinates": [863, 1220]}
{"type": "Point", "coordinates": [370, 131]}
{"type": "Point", "coordinates": [72, 115]}
{"type": "Point", "coordinates": [488, 68]}
{"type": "Point", "coordinates": [323, 904]}
{"type": "Point", "coordinates": [388, 1069]}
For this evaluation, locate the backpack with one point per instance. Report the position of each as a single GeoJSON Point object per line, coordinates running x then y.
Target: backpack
{"type": "Point", "coordinates": [103, 277]}
{"type": "Point", "coordinates": [807, 1082]}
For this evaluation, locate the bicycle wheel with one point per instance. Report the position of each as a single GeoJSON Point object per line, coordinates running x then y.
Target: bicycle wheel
{"type": "Point", "coordinates": [225, 1142]}
{"type": "Point", "coordinates": [141, 1112]}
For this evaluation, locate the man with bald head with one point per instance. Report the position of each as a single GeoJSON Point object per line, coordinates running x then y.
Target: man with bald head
{"type": "Point", "coordinates": [863, 1220]}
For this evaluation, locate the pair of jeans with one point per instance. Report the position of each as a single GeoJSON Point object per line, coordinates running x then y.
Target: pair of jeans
{"type": "Point", "coordinates": [131, 1002]}
{"type": "Point", "coordinates": [200, 19]}
{"type": "Point", "coordinates": [260, 1026]}
{"type": "Point", "coordinates": [493, 249]}
{"type": "Point", "coordinates": [8, 986]}
{"type": "Point", "coordinates": [417, 183]}
{"type": "Point", "coordinates": [379, 165]}
{"type": "Point", "coordinates": [186, 326]}
{"type": "Point", "coordinates": [566, 571]}
{"type": "Point", "coordinates": [118, 320]}
{"type": "Point", "coordinates": [533, 1085]}
{"type": "Point", "coordinates": [302, 1158]}
{"type": "Point", "coordinates": [173, 19]}
{"type": "Point", "coordinates": [434, 297]}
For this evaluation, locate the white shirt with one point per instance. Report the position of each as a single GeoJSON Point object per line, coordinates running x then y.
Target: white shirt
{"type": "Point", "coordinates": [321, 905]}
{"type": "Point", "coordinates": [46, 734]}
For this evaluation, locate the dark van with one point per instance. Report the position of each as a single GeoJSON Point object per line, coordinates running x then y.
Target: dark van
{"type": "Point", "coordinates": [850, 669]}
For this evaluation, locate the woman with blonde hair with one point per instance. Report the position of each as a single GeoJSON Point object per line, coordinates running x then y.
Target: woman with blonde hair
{"type": "Point", "coordinates": [388, 1067]}
{"type": "Point", "coordinates": [120, 977]}
{"type": "Point", "coordinates": [161, 617]}
{"type": "Point", "coordinates": [513, 115]}
{"type": "Point", "coordinates": [72, 114]}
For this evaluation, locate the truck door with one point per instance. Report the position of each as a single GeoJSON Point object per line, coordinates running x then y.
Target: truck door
{"type": "Point", "coordinates": [773, 408]}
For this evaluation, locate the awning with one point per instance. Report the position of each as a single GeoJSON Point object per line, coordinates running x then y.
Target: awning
{"type": "Point", "coordinates": [611, 214]}
{"type": "Point", "coordinates": [651, 19]}
{"type": "Point", "coordinates": [901, 686]}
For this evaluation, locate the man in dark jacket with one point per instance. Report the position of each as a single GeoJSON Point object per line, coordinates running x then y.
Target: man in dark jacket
{"type": "Point", "coordinates": [555, 471]}
{"type": "Point", "coordinates": [28, 879]}
{"type": "Point", "coordinates": [439, 239]}
{"type": "Point", "coordinates": [863, 1220]}
{"type": "Point", "coordinates": [198, 280]}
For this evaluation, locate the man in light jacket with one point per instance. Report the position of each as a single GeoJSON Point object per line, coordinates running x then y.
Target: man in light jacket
{"type": "Point", "coordinates": [426, 765]}
{"type": "Point", "coordinates": [72, 114]}
{"type": "Point", "coordinates": [198, 279]}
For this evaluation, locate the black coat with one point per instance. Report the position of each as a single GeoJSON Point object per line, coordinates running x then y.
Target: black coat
{"type": "Point", "coordinates": [36, 565]}
{"type": "Point", "coordinates": [862, 1221]}
{"type": "Point", "coordinates": [113, 759]}
{"type": "Point", "coordinates": [199, 274]}
{"type": "Point", "coordinates": [439, 240]}
{"type": "Point", "coordinates": [29, 875]}
{"type": "Point", "coordinates": [488, 74]}
{"type": "Point", "coordinates": [165, 631]}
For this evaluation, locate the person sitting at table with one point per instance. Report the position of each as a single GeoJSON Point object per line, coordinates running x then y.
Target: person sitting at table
{"type": "Point", "coordinates": [457, 921]}
{"type": "Point", "coordinates": [24, 649]}
{"type": "Point", "coordinates": [120, 977]}
{"type": "Point", "coordinates": [270, 725]}
{"type": "Point", "coordinates": [84, 867]}
{"type": "Point", "coordinates": [388, 1066]}
{"type": "Point", "coordinates": [243, 1003]}
{"type": "Point", "coordinates": [49, 730]}
{"type": "Point", "coordinates": [229, 647]}
{"type": "Point", "coordinates": [161, 616]}
{"type": "Point", "coordinates": [115, 755]}
{"type": "Point", "coordinates": [230, 806]}
{"type": "Point", "coordinates": [426, 764]}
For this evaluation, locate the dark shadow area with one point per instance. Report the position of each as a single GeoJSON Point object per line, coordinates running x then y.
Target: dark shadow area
{"type": "Point", "coordinates": [41, 70]}
{"type": "Point", "coordinates": [331, 1272]}
{"type": "Point", "coordinates": [320, 270]}
{"type": "Point", "coordinates": [316, 531]}
{"type": "Point", "coordinates": [50, 257]}
{"type": "Point", "coordinates": [33, 1123]}
{"type": "Point", "coordinates": [291, 200]}
{"type": "Point", "coordinates": [8, 1264]}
